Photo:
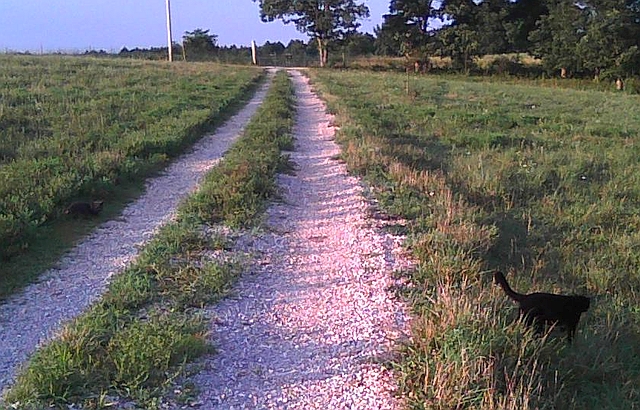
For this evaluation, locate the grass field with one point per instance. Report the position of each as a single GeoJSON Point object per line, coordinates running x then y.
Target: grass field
{"type": "Point", "coordinates": [80, 128]}
{"type": "Point", "coordinates": [540, 182]}
{"type": "Point", "coordinates": [137, 339]}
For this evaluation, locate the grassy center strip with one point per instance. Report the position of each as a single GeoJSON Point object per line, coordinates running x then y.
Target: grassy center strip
{"type": "Point", "coordinates": [127, 348]}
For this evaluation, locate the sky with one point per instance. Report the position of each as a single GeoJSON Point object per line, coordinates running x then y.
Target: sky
{"type": "Point", "coordinates": [110, 25]}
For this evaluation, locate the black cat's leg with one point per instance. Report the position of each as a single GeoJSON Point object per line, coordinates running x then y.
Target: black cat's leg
{"type": "Point", "coordinates": [571, 331]}
{"type": "Point", "coordinates": [533, 320]}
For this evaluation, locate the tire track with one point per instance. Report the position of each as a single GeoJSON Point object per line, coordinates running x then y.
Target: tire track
{"type": "Point", "coordinates": [312, 321]}
{"type": "Point", "coordinates": [31, 318]}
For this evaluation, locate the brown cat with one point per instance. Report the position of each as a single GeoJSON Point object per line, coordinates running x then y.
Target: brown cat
{"type": "Point", "coordinates": [539, 309]}
{"type": "Point", "coordinates": [84, 208]}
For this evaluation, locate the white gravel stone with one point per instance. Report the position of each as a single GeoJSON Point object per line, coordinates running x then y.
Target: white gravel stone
{"type": "Point", "coordinates": [312, 321]}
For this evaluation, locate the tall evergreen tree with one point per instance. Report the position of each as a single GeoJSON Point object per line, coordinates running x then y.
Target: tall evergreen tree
{"type": "Point", "coordinates": [500, 26]}
{"type": "Point", "coordinates": [592, 37]}
{"type": "Point", "coordinates": [459, 40]}
{"type": "Point", "coordinates": [597, 37]}
{"type": "Point", "coordinates": [387, 42]}
{"type": "Point", "coordinates": [491, 17]}
{"type": "Point", "coordinates": [199, 44]}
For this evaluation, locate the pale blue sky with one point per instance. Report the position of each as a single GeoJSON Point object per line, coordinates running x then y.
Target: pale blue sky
{"type": "Point", "coordinates": [77, 25]}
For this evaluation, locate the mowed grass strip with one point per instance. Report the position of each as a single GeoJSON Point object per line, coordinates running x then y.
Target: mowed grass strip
{"type": "Point", "coordinates": [74, 128]}
{"type": "Point", "coordinates": [135, 340]}
{"type": "Point", "coordinates": [541, 183]}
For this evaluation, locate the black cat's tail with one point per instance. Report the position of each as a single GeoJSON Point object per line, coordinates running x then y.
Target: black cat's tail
{"type": "Point", "coordinates": [502, 281]}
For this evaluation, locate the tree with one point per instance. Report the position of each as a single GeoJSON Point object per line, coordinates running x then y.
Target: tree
{"type": "Point", "coordinates": [271, 53]}
{"type": "Point", "coordinates": [460, 39]}
{"type": "Point", "coordinates": [612, 32]}
{"type": "Point", "coordinates": [199, 44]}
{"type": "Point", "coordinates": [359, 44]}
{"type": "Point", "coordinates": [415, 13]}
{"type": "Point", "coordinates": [459, 42]}
{"type": "Point", "coordinates": [522, 21]}
{"type": "Point", "coordinates": [491, 16]}
{"type": "Point", "coordinates": [406, 25]}
{"type": "Point", "coordinates": [298, 53]}
{"type": "Point", "coordinates": [557, 35]}
{"type": "Point", "coordinates": [386, 42]}
{"type": "Point", "coordinates": [460, 12]}
{"type": "Point", "coordinates": [325, 21]}
{"type": "Point", "coordinates": [270, 48]}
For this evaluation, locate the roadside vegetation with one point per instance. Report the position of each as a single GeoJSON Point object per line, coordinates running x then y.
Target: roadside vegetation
{"type": "Point", "coordinates": [80, 128]}
{"type": "Point", "coordinates": [542, 183]}
{"type": "Point", "coordinates": [130, 346]}
{"type": "Point", "coordinates": [515, 68]}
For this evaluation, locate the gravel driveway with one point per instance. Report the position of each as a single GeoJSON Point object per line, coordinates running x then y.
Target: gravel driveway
{"type": "Point", "coordinates": [312, 322]}
{"type": "Point", "coordinates": [32, 317]}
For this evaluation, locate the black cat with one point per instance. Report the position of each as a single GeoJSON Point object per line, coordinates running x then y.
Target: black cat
{"type": "Point", "coordinates": [539, 309]}
{"type": "Point", "coordinates": [84, 208]}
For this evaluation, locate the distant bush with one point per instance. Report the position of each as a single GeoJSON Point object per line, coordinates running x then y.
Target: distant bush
{"type": "Point", "coordinates": [504, 64]}
{"type": "Point", "coordinates": [509, 64]}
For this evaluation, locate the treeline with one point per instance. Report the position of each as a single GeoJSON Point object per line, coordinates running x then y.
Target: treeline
{"type": "Point", "coordinates": [228, 54]}
{"type": "Point", "coordinates": [597, 38]}
{"type": "Point", "coordinates": [295, 53]}
{"type": "Point", "coordinates": [200, 45]}
{"type": "Point", "coordinates": [571, 38]}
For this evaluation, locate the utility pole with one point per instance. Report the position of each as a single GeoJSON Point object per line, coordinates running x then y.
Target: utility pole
{"type": "Point", "coordinates": [169, 31]}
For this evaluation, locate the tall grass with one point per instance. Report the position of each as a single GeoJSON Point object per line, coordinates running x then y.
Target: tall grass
{"type": "Point", "coordinates": [131, 345]}
{"type": "Point", "coordinates": [80, 127]}
{"type": "Point", "coordinates": [541, 183]}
